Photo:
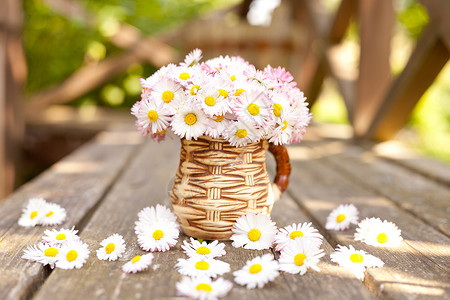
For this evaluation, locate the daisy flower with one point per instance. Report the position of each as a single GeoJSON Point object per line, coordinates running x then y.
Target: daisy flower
{"type": "Point", "coordinates": [253, 107]}
{"type": "Point", "coordinates": [303, 231]}
{"type": "Point", "coordinates": [203, 249]}
{"type": "Point", "coordinates": [253, 232]}
{"type": "Point", "coordinates": [150, 82]}
{"type": "Point", "coordinates": [183, 74]}
{"type": "Point", "coordinates": [60, 237]}
{"type": "Point", "coordinates": [189, 122]}
{"type": "Point", "coordinates": [375, 232]}
{"type": "Point", "coordinates": [156, 117]}
{"type": "Point", "coordinates": [157, 236]}
{"type": "Point", "coordinates": [217, 125]}
{"type": "Point", "coordinates": [257, 272]}
{"type": "Point", "coordinates": [33, 213]}
{"type": "Point", "coordinates": [341, 217]}
{"type": "Point", "coordinates": [355, 260]}
{"type": "Point", "coordinates": [138, 263]}
{"type": "Point", "coordinates": [154, 214]}
{"type": "Point", "coordinates": [111, 248]}
{"type": "Point", "coordinates": [192, 58]}
{"type": "Point", "coordinates": [203, 288]}
{"type": "Point", "coordinates": [72, 255]}
{"type": "Point", "coordinates": [212, 100]}
{"type": "Point", "coordinates": [281, 133]}
{"type": "Point", "coordinates": [239, 133]}
{"type": "Point", "coordinates": [299, 255]}
{"type": "Point", "coordinates": [202, 266]}
{"type": "Point", "coordinates": [54, 214]}
{"type": "Point", "coordinates": [168, 93]}
{"type": "Point", "coordinates": [42, 253]}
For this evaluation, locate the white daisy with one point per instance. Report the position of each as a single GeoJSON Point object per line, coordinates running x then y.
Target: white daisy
{"type": "Point", "coordinates": [253, 232]}
{"type": "Point", "coordinates": [257, 272]}
{"type": "Point", "coordinates": [213, 100]}
{"type": "Point", "coordinates": [281, 132]}
{"type": "Point", "coordinates": [153, 116]}
{"type": "Point", "coordinates": [42, 253]}
{"type": "Point", "coordinates": [341, 217]}
{"type": "Point", "coordinates": [61, 236]}
{"type": "Point", "coordinates": [217, 125]}
{"type": "Point", "coordinates": [112, 248]}
{"type": "Point", "coordinates": [72, 255]}
{"type": "Point", "coordinates": [355, 260]}
{"type": "Point", "coordinates": [203, 288]}
{"type": "Point", "coordinates": [299, 255]}
{"type": "Point", "coordinates": [168, 93]}
{"type": "Point", "coordinates": [154, 214]}
{"type": "Point", "coordinates": [184, 74]}
{"type": "Point", "coordinates": [300, 231]}
{"type": "Point", "coordinates": [203, 249]}
{"type": "Point", "coordinates": [375, 232]}
{"type": "Point", "coordinates": [54, 214]}
{"type": "Point", "coordinates": [138, 263]}
{"type": "Point", "coordinates": [280, 104]}
{"type": "Point", "coordinates": [189, 122]}
{"type": "Point", "coordinates": [253, 106]}
{"type": "Point", "coordinates": [33, 213]}
{"type": "Point", "coordinates": [192, 58]}
{"type": "Point", "coordinates": [157, 236]}
{"type": "Point", "coordinates": [202, 266]}
{"type": "Point", "coordinates": [150, 82]}
{"type": "Point", "coordinates": [240, 133]}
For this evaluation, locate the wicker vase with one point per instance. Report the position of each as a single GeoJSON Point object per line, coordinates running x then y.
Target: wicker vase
{"type": "Point", "coordinates": [216, 183]}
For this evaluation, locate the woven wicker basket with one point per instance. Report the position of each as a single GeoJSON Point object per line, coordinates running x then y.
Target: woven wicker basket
{"type": "Point", "coordinates": [216, 183]}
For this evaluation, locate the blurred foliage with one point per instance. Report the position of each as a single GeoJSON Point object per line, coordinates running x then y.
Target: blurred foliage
{"type": "Point", "coordinates": [413, 16]}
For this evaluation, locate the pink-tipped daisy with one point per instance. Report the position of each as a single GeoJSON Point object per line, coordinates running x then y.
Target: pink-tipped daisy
{"type": "Point", "coordinates": [355, 260]}
{"type": "Point", "coordinates": [203, 288]}
{"type": "Point", "coordinates": [299, 255]}
{"type": "Point", "coordinates": [138, 263]}
{"type": "Point", "coordinates": [189, 122]}
{"type": "Point", "coordinates": [217, 125]}
{"type": "Point", "coordinates": [253, 107]}
{"type": "Point", "coordinates": [153, 116]}
{"type": "Point", "coordinates": [33, 213]}
{"type": "Point", "coordinates": [253, 232]}
{"type": "Point", "coordinates": [303, 231]}
{"type": "Point", "coordinates": [202, 266]}
{"type": "Point", "coordinates": [192, 58]}
{"type": "Point", "coordinates": [341, 217]}
{"type": "Point", "coordinates": [257, 272]}
{"type": "Point", "coordinates": [111, 248]}
{"type": "Point", "coordinates": [378, 233]}
{"type": "Point", "coordinates": [72, 255]}
{"type": "Point", "coordinates": [203, 249]}
{"type": "Point", "coordinates": [59, 237]}
{"type": "Point", "coordinates": [42, 253]}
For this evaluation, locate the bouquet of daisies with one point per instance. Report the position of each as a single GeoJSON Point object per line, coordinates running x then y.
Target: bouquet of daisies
{"type": "Point", "coordinates": [224, 97]}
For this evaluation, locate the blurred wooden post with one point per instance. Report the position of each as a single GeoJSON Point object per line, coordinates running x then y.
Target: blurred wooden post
{"type": "Point", "coordinates": [12, 77]}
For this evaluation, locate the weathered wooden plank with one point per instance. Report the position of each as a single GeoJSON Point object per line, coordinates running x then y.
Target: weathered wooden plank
{"type": "Point", "coordinates": [78, 183]}
{"type": "Point", "coordinates": [417, 269]}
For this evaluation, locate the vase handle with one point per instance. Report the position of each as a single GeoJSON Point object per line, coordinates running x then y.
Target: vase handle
{"type": "Point", "coordinates": [283, 167]}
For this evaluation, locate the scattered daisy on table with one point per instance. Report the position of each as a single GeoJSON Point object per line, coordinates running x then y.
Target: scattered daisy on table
{"type": "Point", "coordinates": [54, 214]}
{"type": "Point", "coordinates": [203, 249]}
{"type": "Point", "coordinates": [200, 266]}
{"type": "Point", "coordinates": [341, 217]}
{"type": "Point", "coordinates": [42, 253]}
{"type": "Point", "coordinates": [60, 236]}
{"type": "Point", "coordinates": [253, 232]}
{"type": "Point", "coordinates": [303, 231]}
{"type": "Point", "coordinates": [375, 232]}
{"type": "Point", "coordinates": [299, 255]}
{"type": "Point", "coordinates": [111, 248]}
{"type": "Point", "coordinates": [357, 261]}
{"type": "Point", "coordinates": [72, 255]}
{"type": "Point", "coordinates": [203, 288]}
{"type": "Point", "coordinates": [257, 272]}
{"type": "Point", "coordinates": [138, 263]}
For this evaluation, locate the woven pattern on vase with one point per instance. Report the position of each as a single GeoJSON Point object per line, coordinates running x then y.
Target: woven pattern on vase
{"type": "Point", "coordinates": [216, 183]}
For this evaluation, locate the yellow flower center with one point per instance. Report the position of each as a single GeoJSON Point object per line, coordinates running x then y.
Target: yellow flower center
{"type": "Point", "coordinates": [295, 234]}
{"type": "Point", "coordinates": [256, 268]}
{"type": "Point", "coordinates": [158, 234]}
{"type": "Point", "coordinates": [285, 124]}
{"type": "Point", "coordinates": [49, 214]}
{"type": "Point", "coordinates": [190, 119]}
{"type": "Point", "coordinates": [110, 248]}
{"type": "Point", "coordinates": [210, 101]}
{"type": "Point", "coordinates": [203, 250]}
{"type": "Point", "coordinates": [61, 237]}
{"type": "Point", "coordinates": [136, 259]}
{"type": "Point", "coordinates": [254, 234]}
{"type": "Point", "coordinates": [185, 76]}
{"type": "Point", "coordinates": [194, 89]}
{"type": "Point", "coordinates": [167, 96]}
{"type": "Point", "coordinates": [356, 258]}
{"type": "Point", "coordinates": [253, 109]}
{"type": "Point", "coordinates": [223, 93]}
{"type": "Point", "coordinates": [340, 218]}
{"type": "Point", "coordinates": [239, 92]}
{"type": "Point", "coordinates": [233, 77]}
{"type": "Point", "coordinates": [241, 133]}
{"type": "Point", "coordinates": [299, 258]}
{"type": "Point", "coordinates": [33, 215]}
{"type": "Point", "coordinates": [204, 287]}
{"type": "Point", "coordinates": [152, 115]}
{"type": "Point", "coordinates": [382, 238]}
{"type": "Point", "coordinates": [51, 252]}
{"type": "Point", "coordinates": [218, 118]}
{"type": "Point", "coordinates": [162, 132]}
{"type": "Point", "coordinates": [71, 255]}
{"type": "Point", "coordinates": [202, 265]}
{"type": "Point", "coordinates": [277, 109]}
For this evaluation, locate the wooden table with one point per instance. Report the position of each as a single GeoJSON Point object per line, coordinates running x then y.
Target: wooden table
{"type": "Point", "coordinates": [105, 183]}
